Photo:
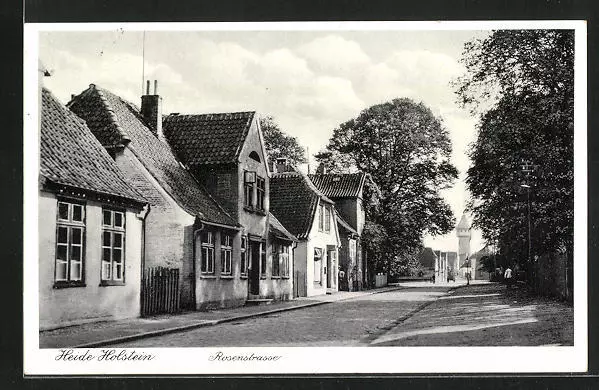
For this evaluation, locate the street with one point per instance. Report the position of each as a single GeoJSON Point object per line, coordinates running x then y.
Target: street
{"type": "Point", "coordinates": [476, 315]}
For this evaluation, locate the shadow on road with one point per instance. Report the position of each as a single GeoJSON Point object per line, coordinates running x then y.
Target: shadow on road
{"type": "Point", "coordinates": [485, 315]}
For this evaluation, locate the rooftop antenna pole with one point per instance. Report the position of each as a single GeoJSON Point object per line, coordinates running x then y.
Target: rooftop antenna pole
{"type": "Point", "coordinates": [143, 61]}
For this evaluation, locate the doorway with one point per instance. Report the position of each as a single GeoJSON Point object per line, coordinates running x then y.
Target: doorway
{"type": "Point", "coordinates": [254, 277]}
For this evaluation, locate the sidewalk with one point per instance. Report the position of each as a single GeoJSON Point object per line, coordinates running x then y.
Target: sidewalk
{"type": "Point", "coordinates": [105, 333]}
{"type": "Point", "coordinates": [486, 314]}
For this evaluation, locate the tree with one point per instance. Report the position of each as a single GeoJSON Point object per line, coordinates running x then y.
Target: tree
{"type": "Point", "coordinates": [528, 77]}
{"type": "Point", "coordinates": [406, 151]}
{"type": "Point", "coordinates": [280, 145]}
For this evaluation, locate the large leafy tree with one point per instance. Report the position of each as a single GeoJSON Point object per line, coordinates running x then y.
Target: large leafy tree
{"type": "Point", "coordinates": [406, 150]}
{"type": "Point", "coordinates": [281, 145]}
{"type": "Point", "coordinates": [521, 84]}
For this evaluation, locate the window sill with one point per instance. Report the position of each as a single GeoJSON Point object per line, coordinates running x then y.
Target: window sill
{"type": "Point", "coordinates": [226, 276]}
{"type": "Point", "coordinates": [285, 277]}
{"type": "Point", "coordinates": [68, 284]}
{"type": "Point", "coordinates": [262, 277]}
{"type": "Point", "coordinates": [260, 212]}
{"type": "Point", "coordinates": [275, 277]}
{"type": "Point", "coordinates": [207, 276]}
{"type": "Point", "coordinates": [249, 209]}
{"type": "Point", "coordinates": [106, 283]}
{"type": "Point", "coordinates": [243, 276]}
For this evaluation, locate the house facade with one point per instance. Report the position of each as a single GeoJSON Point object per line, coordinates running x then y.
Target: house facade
{"type": "Point", "coordinates": [346, 190]}
{"type": "Point", "coordinates": [182, 212]}
{"type": "Point", "coordinates": [207, 182]}
{"type": "Point", "coordinates": [225, 152]}
{"type": "Point", "coordinates": [310, 216]}
{"type": "Point", "coordinates": [90, 226]}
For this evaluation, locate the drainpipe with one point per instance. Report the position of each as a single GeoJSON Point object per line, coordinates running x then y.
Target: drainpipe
{"type": "Point", "coordinates": [143, 215]}
{"type": "Point", "coordinates": [193, 262]}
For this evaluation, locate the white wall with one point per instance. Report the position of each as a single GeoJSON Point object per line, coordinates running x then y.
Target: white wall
{"type": "Point", "coordinates": [72, 305]}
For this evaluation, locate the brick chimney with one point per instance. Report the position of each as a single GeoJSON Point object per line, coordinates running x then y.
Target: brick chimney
{"type": "Point", "coordinates": [281, 165]}
{"type": "Point", "coordinates": [151, 109]}
{"type": "Point", "coordinates": [321, 169]}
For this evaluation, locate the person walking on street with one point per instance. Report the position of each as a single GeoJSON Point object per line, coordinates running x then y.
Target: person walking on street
{"type": "Point", "coordinates": [507, 276]}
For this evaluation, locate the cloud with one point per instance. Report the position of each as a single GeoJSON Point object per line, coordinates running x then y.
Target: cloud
{"type": "Point", "coordinates": [333, 54]}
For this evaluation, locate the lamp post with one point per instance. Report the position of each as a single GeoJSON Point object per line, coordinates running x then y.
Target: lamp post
{"type": "Point", "coordinates": [527, 168]}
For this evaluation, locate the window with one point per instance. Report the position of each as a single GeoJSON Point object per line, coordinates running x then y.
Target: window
{"type": "Point", "coordinates": [263, 258]}
{"type": "Point", "coordinates": [70, 233]}
{"type": "Point", "coordinates": [317, 265]}
{"type": "Point", "coordinates": [207, 264]}
{"type": "Point", "coordinates": [113, 245]}
{"type": "Point", "coordinates": [249, 178]}
{"type": "Point", "coordinates": [327, 219]}
{"type": "Point", "coordinates": [226, 249]}
{"type": "Point", "coordinates": [260, 192]}
{"type": "Point", "coordinates": [320, 218]}
{"type": "Point", "coordinates": [244, 256]}
{"type": "Point", "coordinates": [284, 259]}
{"type": "Point", "coordinates": [274, 250]}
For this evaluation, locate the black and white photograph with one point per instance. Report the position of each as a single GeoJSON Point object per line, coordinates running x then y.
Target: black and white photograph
{"type": "Point", "coordinates": [305, 197]}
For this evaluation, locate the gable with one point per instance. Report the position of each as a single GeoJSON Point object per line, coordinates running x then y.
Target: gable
{"type": "Point", "coordinates": [253, 147]}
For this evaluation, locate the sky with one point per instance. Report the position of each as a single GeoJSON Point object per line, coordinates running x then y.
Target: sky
{"type": "Point", "coordinates": [309, 81]}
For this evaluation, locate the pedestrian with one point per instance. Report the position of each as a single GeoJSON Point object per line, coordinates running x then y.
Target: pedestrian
{"type": "Point", "coordinates": [507, 276]}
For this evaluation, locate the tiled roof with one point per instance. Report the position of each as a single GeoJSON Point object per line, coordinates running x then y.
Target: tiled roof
{"type": "Point", "coordinates": [427, 258]}
{"type": "Point", "coordinates": [71, 156]}
{"type": "Point", "coordinates": [339, 185]}
{"type": "Point", "coordinates": [113, 120]}
{"type": "Point", "coordinates": [207, 138]}
{"type": "Point", "coordinates": [345, 225]}
{"type": "Point", "coordinates": [277, 229]}
{"type": "Point", "coordinates": [293, 200]}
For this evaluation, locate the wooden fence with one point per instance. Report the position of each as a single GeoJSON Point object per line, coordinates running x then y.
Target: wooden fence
{"type": "Point", "coordinates": [159, 291]}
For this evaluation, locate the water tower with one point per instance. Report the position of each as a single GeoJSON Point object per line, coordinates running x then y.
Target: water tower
{"type": "Point", "coordinates": [464, 235]}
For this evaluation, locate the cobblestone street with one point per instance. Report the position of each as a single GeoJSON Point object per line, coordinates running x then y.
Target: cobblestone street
{"type": "Point", "coordinates": [482, 315]}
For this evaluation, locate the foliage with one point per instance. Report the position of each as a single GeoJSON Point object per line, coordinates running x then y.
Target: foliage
{"type": "Point", "coordinates": [406, 151]}
{"type": "Point", "coordinates": [280, 145]}
{"type": "Point", "coordinates": [530, 74]}
{"type": "Point", "coordinates": [374, 238]}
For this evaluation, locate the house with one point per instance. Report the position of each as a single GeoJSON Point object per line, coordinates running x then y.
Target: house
{"type": "Point", "coordinates": [310, 216]}
{"type": "Point", "coordinates": [225, 152]}
{"type": "Point", "coordinates": [186, 228]}
{"type": "Point", "coordinates": [445, 264]}
{"type": "Point", "coordinates": [90, 226]}
{"type": "Point", "coordinates": [346, 190]}
{"type": "Point", "coordinates": [427, 259]}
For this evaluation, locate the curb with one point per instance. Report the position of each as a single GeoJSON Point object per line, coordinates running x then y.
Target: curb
{"type": "Point", "coordinates": [206, 323]}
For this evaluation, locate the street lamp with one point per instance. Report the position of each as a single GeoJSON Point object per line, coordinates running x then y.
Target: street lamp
{"type": "Point", "coordinates": [527, 168]}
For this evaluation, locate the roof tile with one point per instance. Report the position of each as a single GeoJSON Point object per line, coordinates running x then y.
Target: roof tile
{"type": "Point", "coordinates": [113, 120]}
{"type": "Point", "coordinates": [293, 200]}
{"type": "Point", "coordinates": [72, 156]}
{"type": "Point", "coordinates": [339, 185]}
{"type": "Point", "coordinates": [207, 138]}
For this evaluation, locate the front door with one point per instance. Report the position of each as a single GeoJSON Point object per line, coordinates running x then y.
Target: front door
{"type": "Point", "coordinates": [331, 267]}
{"type": "Point", "coordinates": [254, 276]}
